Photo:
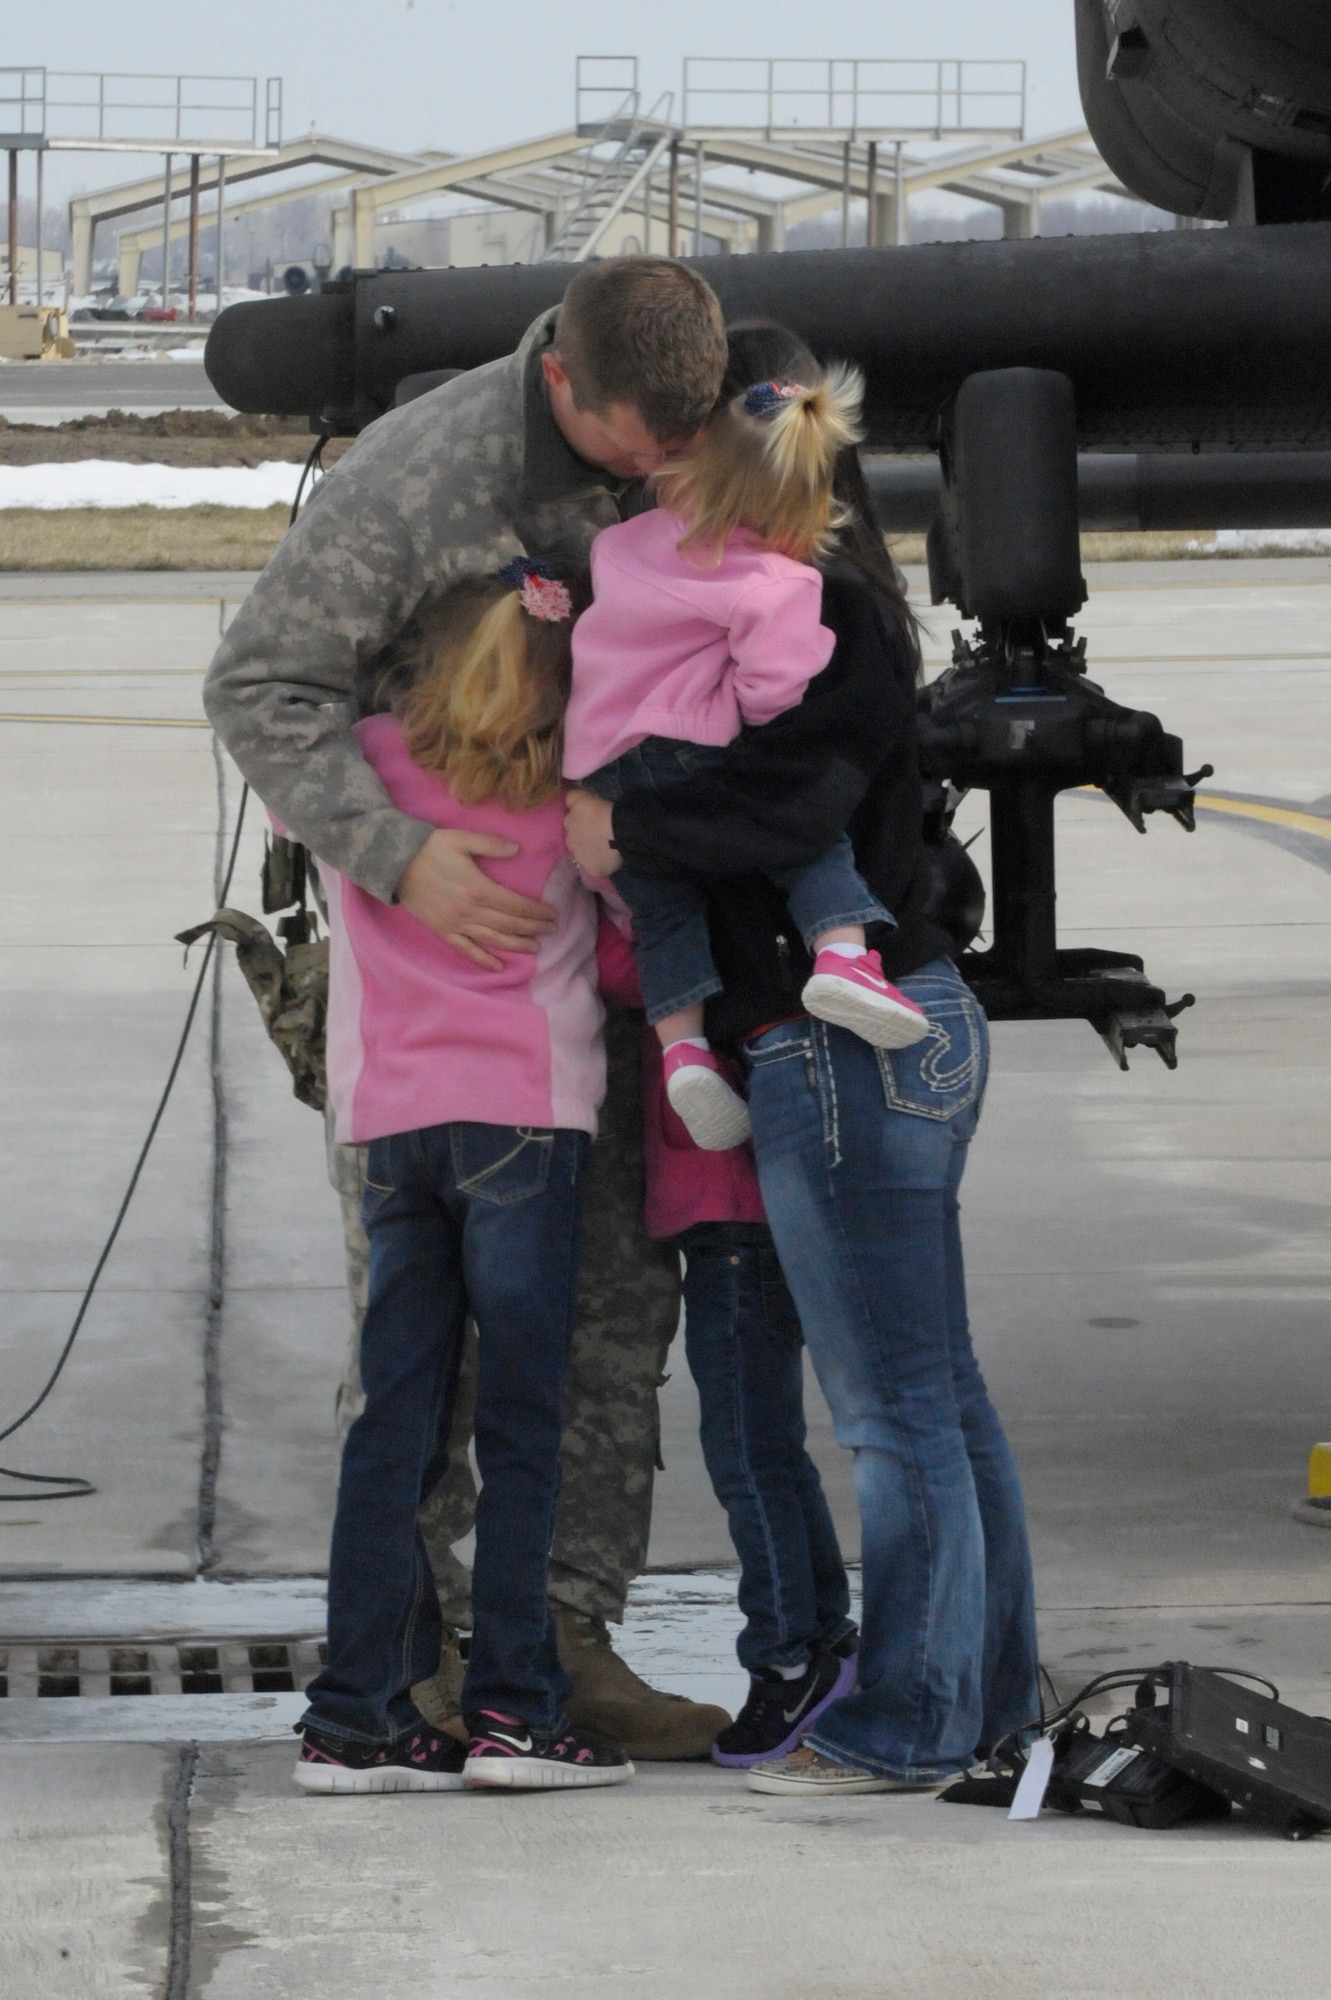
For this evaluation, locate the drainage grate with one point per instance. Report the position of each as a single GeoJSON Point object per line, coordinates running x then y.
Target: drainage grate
{"type": "Point", "coordinates": [232, 1666]}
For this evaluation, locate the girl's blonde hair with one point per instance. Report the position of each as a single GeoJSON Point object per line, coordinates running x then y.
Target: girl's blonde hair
{"type": "Point", "coordinates": [490, 686]}
{"type": "Point", "coordinates": [766, 464]}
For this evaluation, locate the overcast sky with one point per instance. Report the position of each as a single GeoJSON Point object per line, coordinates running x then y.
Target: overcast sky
{"type": "Point", "coordinates": [462, 75]}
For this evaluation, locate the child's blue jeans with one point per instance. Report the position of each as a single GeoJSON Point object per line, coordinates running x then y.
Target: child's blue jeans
{"type": "Point", "coordinates": [674, 953]}
{"type": "Point", "coordinates": [746, 1354]}
{"type": "Point", "coordinates": [460, 1217]}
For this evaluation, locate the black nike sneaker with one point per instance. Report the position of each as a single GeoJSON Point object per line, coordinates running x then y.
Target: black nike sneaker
{"type": "Point", "coordinates": [779, 1713]}
{"type": "Point", "coordinates": [421, 1760]}
{"type": "Point", "coordinates": [507, 1753]}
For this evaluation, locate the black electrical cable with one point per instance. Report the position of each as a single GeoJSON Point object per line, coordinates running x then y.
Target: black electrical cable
{"type": "Point", "coordinates": [71, 1486]}
{"type": "Point", "coordinates": [1119, 1677]}
{"type": "Point", "coordinates": [312, 468]}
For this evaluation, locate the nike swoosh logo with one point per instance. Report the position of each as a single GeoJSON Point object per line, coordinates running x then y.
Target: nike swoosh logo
{"type": "Point", "coordinates": [521, 1744]}
{"type": "Point", "coordinates": [794, 1714]}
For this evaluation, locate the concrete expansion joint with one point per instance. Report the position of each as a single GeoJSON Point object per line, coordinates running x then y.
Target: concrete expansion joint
{"type": "Point", "coordinates": [182, 1912]}
{"type": "Point", "coordinates": [214, 1414]}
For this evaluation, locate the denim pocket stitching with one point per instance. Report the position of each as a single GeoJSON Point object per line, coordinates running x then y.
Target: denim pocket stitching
{"type": "Point", "coordinates": [480, 1183]}
{"type": "Point", "coordinates": [822, 1078]}
{"type": "Point", "coordinates": [375, 1193]}
{"type": "Point", "coordinates": [959, 1087]}
{"type": "Point", "coordinates": [795, 1049]}
{"type": "Point", "coordinates": [374, 1200]}
{"type": "Point", "coordinates": [787, 1052]}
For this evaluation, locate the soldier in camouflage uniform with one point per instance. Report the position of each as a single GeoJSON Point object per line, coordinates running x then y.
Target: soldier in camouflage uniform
{"type": "Point", "coordinates": [528, 455]}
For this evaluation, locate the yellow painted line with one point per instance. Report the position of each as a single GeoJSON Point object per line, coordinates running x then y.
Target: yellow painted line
{"type": "Point", "coordinates": [117, 721]}
{"type": "Point", "coordinates": [1289, 816]}
{"type": "Point", "coordinates": [1298, 822]}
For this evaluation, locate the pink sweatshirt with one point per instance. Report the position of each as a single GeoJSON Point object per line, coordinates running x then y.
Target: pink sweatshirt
{"type": "Point", "coordinates": [684, 1184]}
{"type": "Point", "coordinates": [672, 647]}
{"type": "Point", "coordinates": [417, 1034]}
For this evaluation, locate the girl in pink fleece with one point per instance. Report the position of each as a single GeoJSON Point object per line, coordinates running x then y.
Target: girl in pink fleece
{"type": "Point", "coordinates": [705, 617]}
{"type": "Point", "coordinates": [477, 1091]}
{"type": "Point", "coordinates": [745, 1352]}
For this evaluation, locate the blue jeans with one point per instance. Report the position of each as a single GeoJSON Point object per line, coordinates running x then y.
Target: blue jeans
{"type": "Point", "coordinates": [674, 953]}
{"type": "Point", "coordinates": [860, 1156]}
{"type": "Point", "coordinates": [746, 1354]}
{"type": "Point", "coordinates": [460, 1217]}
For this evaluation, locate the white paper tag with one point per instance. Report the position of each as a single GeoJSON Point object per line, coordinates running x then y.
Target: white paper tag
{"type": "Point", "coordinates": [1034, 1780]}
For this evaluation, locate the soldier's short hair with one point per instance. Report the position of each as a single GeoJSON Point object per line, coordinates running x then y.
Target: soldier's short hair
{"type": "Point", "coordinates": [646, 331]}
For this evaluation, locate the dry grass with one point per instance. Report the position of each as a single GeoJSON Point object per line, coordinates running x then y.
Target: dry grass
{"type": "Point", "coordinates": [91, 538]}
{"type": "Point", "coordinates": [147, 538]}
{"type": "Point", "coordinates": [1160, 545]}
{"type": "Point", "coordinates": [175, 437]}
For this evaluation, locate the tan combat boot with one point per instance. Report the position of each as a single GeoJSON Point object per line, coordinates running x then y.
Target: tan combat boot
{"type": "Point", "coordinates": [610, 1700]}
{"type": "Point", "coordinates": [439, 1698]}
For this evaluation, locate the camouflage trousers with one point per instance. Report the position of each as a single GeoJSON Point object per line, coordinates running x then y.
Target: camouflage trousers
{"type": "Point", "coordinates": [628, 1310]}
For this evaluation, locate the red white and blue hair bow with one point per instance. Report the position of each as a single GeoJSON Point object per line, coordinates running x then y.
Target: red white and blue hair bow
{"type": "Point", "coordinates": [764, 399]}
{"type": "Point", "coordinates": [543, 595]}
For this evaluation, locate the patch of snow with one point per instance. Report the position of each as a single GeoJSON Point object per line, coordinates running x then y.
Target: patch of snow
{"type": "Point", "coordinates": [95, 482]}
{"type": "Point", "coordinates": [1265, 542]}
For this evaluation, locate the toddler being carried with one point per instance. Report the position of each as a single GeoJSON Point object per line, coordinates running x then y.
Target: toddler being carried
{"type": "Point", "coordinates": [706, 616]}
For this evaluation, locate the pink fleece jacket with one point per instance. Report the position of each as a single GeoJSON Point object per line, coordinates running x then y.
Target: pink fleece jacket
{"type": "Point", "coordinates": [417, 1034]}
{"type": "Point", "coordinates": [670, 646]}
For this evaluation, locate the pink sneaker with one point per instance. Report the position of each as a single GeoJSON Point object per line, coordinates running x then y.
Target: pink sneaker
{"type": "Point", "coordinates": [714, 1116]}
{"type": "Point", "coordinates": [852, 993]}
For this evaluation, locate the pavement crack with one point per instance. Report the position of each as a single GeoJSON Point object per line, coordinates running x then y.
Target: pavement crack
{"type": "Point", "coordinates": [214, 1414]}
{"type": "Point", "coordinates": [182, 1914]}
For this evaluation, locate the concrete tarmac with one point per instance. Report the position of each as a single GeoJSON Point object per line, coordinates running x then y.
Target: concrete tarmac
{"type": "Point", "coordinates": [1150, 1277]}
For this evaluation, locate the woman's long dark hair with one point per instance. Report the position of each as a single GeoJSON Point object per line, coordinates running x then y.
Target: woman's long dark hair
{"type": "Point", "coordinates": [761, 350]}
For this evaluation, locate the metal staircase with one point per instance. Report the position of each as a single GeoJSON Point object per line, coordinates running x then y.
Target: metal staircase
{"type": "Point", "coordinates": [642, 141]}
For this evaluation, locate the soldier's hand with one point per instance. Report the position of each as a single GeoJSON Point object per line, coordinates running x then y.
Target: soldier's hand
{"type": "Point", "coordinates": [442, 886]}
{"type": "Point", "coordinates": [589, 832]}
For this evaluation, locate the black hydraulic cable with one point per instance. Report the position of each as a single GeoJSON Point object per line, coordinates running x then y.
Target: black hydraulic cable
{"type": "Point", "coordinates": [71, 1486]}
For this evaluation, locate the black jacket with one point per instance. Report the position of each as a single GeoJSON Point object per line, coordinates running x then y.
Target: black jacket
{"type": "Point", "coordinates": [843, 760]}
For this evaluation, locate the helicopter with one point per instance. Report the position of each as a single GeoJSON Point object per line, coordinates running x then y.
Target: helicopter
{"type": "Point", "coordinates": [1045, 375]}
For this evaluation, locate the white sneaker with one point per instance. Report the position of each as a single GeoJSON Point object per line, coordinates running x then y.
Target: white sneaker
{"type": "Point", "coordinates": [852, 993]}
{"type": "Point", "coordinates": [715, 1116]}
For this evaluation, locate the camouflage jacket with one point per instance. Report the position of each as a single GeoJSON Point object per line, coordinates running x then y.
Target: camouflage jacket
{"type": "Point", "coordinates": [456, 483]}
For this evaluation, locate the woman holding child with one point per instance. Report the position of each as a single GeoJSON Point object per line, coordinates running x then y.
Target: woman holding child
{"type": "Point", "coordinates": [860, 1151]}
{"type": "Point", "coordinates": [749, 729]}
